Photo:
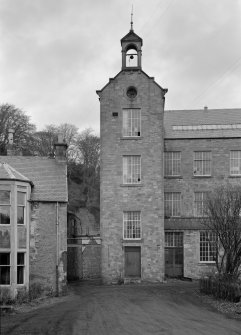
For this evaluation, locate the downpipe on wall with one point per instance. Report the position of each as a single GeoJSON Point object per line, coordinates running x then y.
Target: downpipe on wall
{"type": "Point", "coordinates": [57, 249]}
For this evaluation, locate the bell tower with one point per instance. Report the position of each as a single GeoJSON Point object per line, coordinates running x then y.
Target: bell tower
{"type": "Point", "coordinates": [131, 50]}
{"type": "Point", "coordinates": [131, 171]}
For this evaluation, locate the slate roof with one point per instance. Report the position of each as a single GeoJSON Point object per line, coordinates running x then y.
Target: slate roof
{"type": "Point", "coordinates": [131, 37]}
{"type": "Point", "coordinates": [202, 117]}
{"type": "Point", "coordinates": [7, 172]}
{"type": "Point", "coordinates": [48, 177]}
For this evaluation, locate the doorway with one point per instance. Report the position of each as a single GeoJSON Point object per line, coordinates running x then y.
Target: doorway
{"type": "Point", "coordinates": [174, 254]}
{"type": "Point", "coordinates": [133, 262]}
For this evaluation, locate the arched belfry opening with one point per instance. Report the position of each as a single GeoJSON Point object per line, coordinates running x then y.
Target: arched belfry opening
{"type": "Point", "coordinates": [131, 56]}
{"type": "Point", "coordinates": [131, 51]}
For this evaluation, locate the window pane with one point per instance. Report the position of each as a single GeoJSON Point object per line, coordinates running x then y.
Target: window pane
{"type": "Point", "coordinates": [131, 122]}
{"type": "Point", "coordinates": [131, 169]}
{"type": "Point", "coordinates": [20, 275]}
{"type": "Point", "coordinates": [4, 197]}
{"type": "Point", "coordinates": [172, 163]}
{"type": "Point", "coordinates": [20, 258]}
{"type": "Point", "coordinates": [20, 219]}
{"type": "Point", "coordinates": [202, 163]}
{"type": "Point", "coordinates": [4, 275]}
{"type": "Point", "coordinates": [235, 162]}
{"type": "Point", "coordinates": [172, 204]}
{"type": "Point", "coordinates": [21, 198]}
{"type": "Point", "coordinates": [20, 268]}
{"type": "Point", "coordinates": [4, 268]}
{"type": "Point", "coordinates": [207, 246]}
{"type": "Point", "coordinates": [199, 201]}
{"type": "Point", "coordinates": [5, 258]}
{"type": "Point", "coordinates": [132, 222]}
{"type": "Point", "coordinates": [4, 214]}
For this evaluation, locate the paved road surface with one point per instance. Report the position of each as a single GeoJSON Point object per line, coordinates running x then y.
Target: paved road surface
{"type": "Point", "coordinates": [171, 309]}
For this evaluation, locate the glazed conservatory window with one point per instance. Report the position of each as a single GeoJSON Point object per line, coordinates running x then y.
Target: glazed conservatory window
{"type": "Point", "coordinates": [132, 225]}
{"type": "Point", "coordinates": [4, 207]}
{"type": "Point", "coordinates": [235, 162]}
{"type": "Point", "coordinates": [5, 268]}
{"type": "Point", "coordinates": [20, 267]}
{"type": "Point", "coordinates": [202, 163]}
{"type": "Point", "coordinates": [21, 207]}
{"type": "Point", "coordinates": [207, 246]}
{"type": "Point", "coordinates": [172, 163]}
{"type": "Point", "coordinates": [131, 122]}
{"type": "Point", "coordinates": [131, 169]}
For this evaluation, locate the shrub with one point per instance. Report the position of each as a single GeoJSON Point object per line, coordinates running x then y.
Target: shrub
{"type": "Point", "coordinates": [221, 287]}
{"type": "Point", "coordinates": [35, 290]}
{"type": "Point", "coordinates": [5, 297]}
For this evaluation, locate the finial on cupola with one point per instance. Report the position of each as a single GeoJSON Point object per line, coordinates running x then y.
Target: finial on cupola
{"type": "Point", "coordinates": [132, 19]}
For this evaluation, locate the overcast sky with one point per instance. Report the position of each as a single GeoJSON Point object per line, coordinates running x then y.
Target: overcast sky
{"type": "Point", "coordinates": [55, 54]}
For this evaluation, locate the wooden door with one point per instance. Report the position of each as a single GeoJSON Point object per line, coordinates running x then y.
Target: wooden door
{"type": "Point", "coordinates": [133, 262]}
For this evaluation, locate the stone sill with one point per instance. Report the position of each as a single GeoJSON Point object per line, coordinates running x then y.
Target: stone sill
{"type": "Point", "coordinates": [173, 177]}
{"type": "Point", "coordinates": [131, 138]}
{"type": "Point", "coordinates": [131, 185]}
{"type": "Point", "coordinates": [206, 263]}
{"type": "Point", "coordinates": [196, 177]}
{"type": "Point", "coordinates": [235, 176]}
{"type": "Point", "coordinates": [137, 241]}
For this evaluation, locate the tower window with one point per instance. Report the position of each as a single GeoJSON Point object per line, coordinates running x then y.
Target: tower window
{"type": "Point", "coordinates": [131, 57]}
{"type": "Point", "coordinates": [131, 122]}
{"type": "Point", "coordinates": [132, 225]}
{"type": "Point", "coordinates": [131, 169]}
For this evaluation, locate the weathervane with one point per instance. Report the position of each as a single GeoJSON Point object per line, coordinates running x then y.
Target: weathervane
{"type": "Point", "coordinates": [132, 18]}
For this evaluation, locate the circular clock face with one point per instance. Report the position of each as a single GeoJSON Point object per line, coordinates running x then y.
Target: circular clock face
{"type": "Point", "coordinates": [131, 92]}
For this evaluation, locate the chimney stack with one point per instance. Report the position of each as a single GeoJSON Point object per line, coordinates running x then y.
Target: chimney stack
{"type": "Point", "coordinates": [60, 149]}
{"type": "Point", "coordinates": [12, 150]}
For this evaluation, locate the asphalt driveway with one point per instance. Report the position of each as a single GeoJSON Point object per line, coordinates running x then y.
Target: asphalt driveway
{"type": "Point", "coordinates": [172, 308]}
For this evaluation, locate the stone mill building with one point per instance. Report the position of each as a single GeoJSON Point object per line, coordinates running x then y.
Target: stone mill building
{"type": "Point", "coordinates": [156, 169]}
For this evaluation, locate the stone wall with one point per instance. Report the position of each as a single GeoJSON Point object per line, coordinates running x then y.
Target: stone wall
{"type": "Point", "coordinates": [187, 184]}
{"type": "Point", "coordinates": [48, 254]}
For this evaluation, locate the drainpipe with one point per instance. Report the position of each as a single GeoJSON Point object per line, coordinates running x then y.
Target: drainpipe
{"type": "Point", "coordinates": [57, 249]}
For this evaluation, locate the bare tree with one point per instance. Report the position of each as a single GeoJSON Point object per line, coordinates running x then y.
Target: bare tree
{"type": "Point", "coordinates": [222, 216]}
{"type": "Point", "coordinates": [88, 146]}
{"type": "Point", "coordinates": [45, 139]}
{"type": "Point", "coordinates": [14, 118]}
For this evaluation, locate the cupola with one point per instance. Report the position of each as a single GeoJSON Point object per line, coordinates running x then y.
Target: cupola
{"type": "Point", "coordinates": [131, 50]}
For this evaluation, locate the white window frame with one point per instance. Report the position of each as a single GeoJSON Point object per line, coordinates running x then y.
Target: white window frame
{"type": "Point", "coordinates": [235, 163]}
{"type": "Point", "coordinates": [131, 122]}
{"type": "Point", "coordinates": [132, 225]}
{"type": "Point", "coordinates": [199, 203]}
{"type": "Point", "coordinates": [172, 204]}
{"type": "Point", "coordinates": [131, 169]}
{"type": "Point", "coordinates": [207, 246]}
{"type": "Point", "coordinates": [172, 161]}
{"type": "Point", "coordinates": [202, 163]}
